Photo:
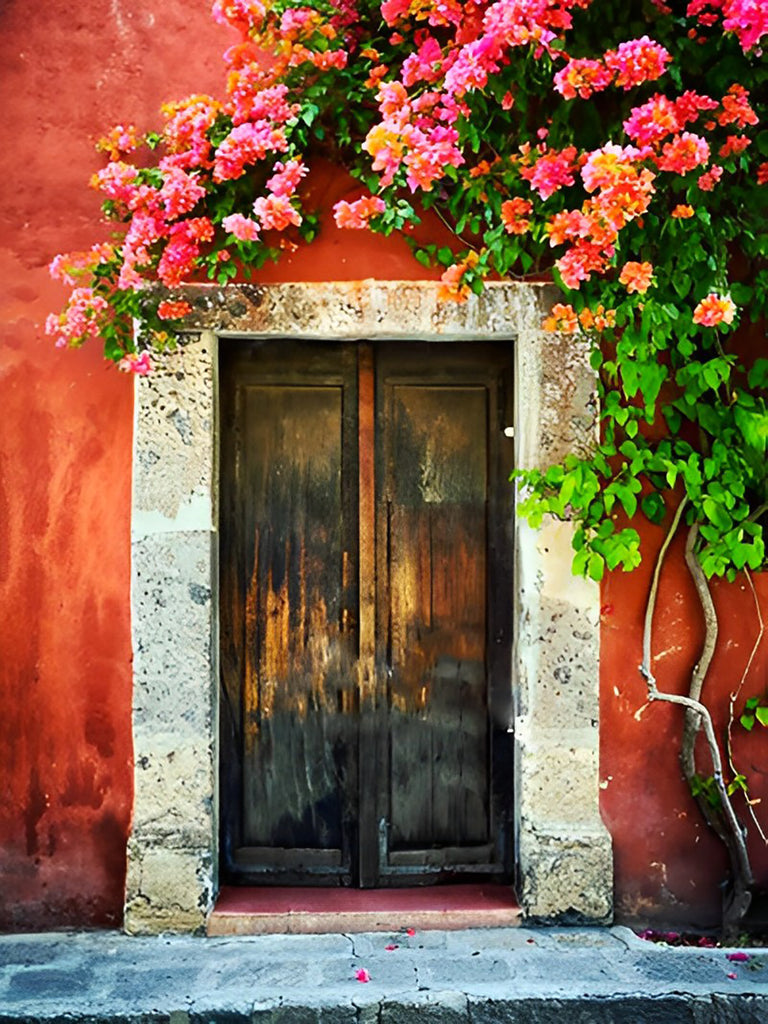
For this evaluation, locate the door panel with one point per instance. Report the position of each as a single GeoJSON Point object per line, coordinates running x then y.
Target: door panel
{"type": "Point", "coordinates": [365, 660]}
{"type": "Point", "coordinates": [293, 517]}
{"type": "Point", "coordinates": [440, 407]}
{"type": "Point", "coordinates": [436, 498]}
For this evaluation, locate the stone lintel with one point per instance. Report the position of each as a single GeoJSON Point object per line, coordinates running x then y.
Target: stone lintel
{"type": "Point", "coordinates": [351, 310]}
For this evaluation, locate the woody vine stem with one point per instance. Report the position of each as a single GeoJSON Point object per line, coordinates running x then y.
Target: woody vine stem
{"type": "Point", "coordinates": [719, 815]}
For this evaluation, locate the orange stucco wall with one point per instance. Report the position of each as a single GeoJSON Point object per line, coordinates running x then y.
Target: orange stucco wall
{"type": "Point", "coordinates": [71, 69]}
{"type": "Point", "coordinates": [668, 865]}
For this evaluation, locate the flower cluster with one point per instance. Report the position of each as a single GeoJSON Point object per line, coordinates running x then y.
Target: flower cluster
{"type": "Point", "coordinates": [440, 104]}
{"type": "Point", "coordinates": [166, 189]}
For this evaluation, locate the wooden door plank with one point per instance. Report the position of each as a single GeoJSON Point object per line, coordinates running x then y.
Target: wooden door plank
{"type": "Point", "coordinates": [293, 642]}
{"type": "Point", "coordinates": [293, 519]}
{"type": "Point", "coordinates": [439, 719]}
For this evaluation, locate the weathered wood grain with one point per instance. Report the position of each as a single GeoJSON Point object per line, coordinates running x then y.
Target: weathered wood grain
{"type": "Point", "coordinates": [365, 627]}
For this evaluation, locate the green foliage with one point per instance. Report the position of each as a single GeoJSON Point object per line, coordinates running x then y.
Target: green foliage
{"type": "Point", "coordinates": [755, 710]}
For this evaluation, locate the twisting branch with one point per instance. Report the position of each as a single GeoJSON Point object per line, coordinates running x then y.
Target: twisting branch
{"type": "Point", "coordinates": [650, 606]}
{"type": "Point", "coordinates": [700, 669]}
{"type": "Point", "coordinates": [723, 819]}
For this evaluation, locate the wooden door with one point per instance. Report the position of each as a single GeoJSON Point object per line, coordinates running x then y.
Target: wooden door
{"type": "Point", "coordinates": [365, 612]}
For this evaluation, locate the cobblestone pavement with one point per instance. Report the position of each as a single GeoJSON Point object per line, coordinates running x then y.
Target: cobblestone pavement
{"type": "Point", "coordinates": [476, 976]}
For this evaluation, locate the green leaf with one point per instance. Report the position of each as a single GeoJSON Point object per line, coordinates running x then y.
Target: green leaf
{"type": "Point", "coordinates": [716, 513]}
{"type": "Point", "coordinates": [758, 375]}
{"type": "Point", "coordinates": [568, 487]}
{"type": "Point", "coordinates": [654, 507]}
{"type": "Point", "coordinates": [596, 566]}
{"type": "Point", "coordinates": [628, 500]}
{"type": "Point", "coordinates": [761, 714]}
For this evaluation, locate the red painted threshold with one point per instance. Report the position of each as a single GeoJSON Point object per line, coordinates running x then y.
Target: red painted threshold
{"type": "Point", "coordinates": [282, 910]}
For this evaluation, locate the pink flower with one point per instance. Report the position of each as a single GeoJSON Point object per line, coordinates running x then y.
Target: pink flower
{"type": "Point", "coordinates": [425, 65]}
{"type": "Point", "coordinates": [391, 946]}
{"type": "Point", "coordinates": [683, 153]}
{"type": "Point", "coordinates": [710, 178]}
{"type": "Point", "coordinates": [604, 167]}
{"type": "Point", "coordinates": [180, 191]}
{"type": "Point", "coordinates": [117, 181]}
{"type": "Point", "coordinates": [240, 14]}
{"type": "Point", "coordinates": [178, 259]}
{"type": "Point", "coordinates": [275, 212]}
{"type": "Point", "coordinates": [286, 177]}
{"type": "Point", "coordinates": [652, 121]}
{"type": "Point", "coordinates": [80, 320]}
{"type": "Point", "coordinates": [737, 958]}
{"type": "Point", "coordinates": [690, 104]}
{"type": "Point", "coordinates": [748, 19]}
{"type": "Point", "coordinates": [140, 365]}
{"type": "Point", "coordinates": [358, 213]}
{"type": "Point", "coordinates": [410, 932]}
{"type": "Point", "coordinates": [250, 101]}
{"type": "Point", "coordinates": [362, 974]}
{"type": "Point", "coordinates": [581, 261]}
{"type": "Point", "coordinates": [582, 77]}
{"type": "Point", "coordinates": [246, 144]}
{"type": "Point", "coordinates": [199, 229]}
{"type": "Point", "coordinates": [714, 310]}
{"type": "Point", "coordinates": [241, 227]}
{"type": "Point", "coordinates": [637, 61]}
{"type": "Point", "coordinates": [551, 171]}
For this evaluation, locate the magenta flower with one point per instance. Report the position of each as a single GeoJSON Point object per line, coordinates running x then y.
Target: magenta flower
{"type": "Point", "coordinates": [362, 974]}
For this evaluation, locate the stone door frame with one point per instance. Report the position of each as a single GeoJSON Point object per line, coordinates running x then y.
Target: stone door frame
{"type": "Point", "coordinates": [563, 851]}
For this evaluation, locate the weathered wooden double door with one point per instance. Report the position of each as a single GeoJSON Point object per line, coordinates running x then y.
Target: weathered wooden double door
{"type": "Point", "coordinates": [365, 612]}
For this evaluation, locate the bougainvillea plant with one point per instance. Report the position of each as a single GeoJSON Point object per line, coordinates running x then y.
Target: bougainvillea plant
{"type": "Point", "coordinates": [620, 147]}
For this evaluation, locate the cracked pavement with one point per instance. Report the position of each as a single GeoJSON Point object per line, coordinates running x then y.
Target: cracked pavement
{"type": "Point", "coordinates": [474, 976]}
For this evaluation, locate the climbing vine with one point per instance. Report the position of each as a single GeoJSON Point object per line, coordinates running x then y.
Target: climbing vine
{"type": "Point", "coordinates": [619, 146]}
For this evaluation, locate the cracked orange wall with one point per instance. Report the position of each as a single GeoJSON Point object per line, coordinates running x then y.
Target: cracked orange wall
{"type": "Point", "coordinates": [71, 69]}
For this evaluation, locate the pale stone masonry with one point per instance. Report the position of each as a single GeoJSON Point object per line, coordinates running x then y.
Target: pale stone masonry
{"type": "Point", "coordinates": [563, 850]}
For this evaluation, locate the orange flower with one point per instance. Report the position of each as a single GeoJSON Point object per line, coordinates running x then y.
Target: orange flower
{"type": "Point", "coordinates": [452, 284]}
{"type": "Point", "coordinates": [683, 211]}
{"type": "Point", "coordinates": [734, 144]}
{"type": "Point", "coordinates": [598, 320]}
{"type": "Point", "coordinates": [513, 217]}
{"type": "Point", "coordinates": [482, 168]}
{"type": "Point", "coordinates": [168, 310]}
{"type": "Point", "coordinates": [562, 319]}
{"type": "Point", "coordinates": [636, 276]}
{"type": "Point", "coordinates": [713, 310]}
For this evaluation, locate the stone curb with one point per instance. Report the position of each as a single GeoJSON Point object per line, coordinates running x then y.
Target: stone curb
{"type": "Point", "coordinates": [476, 976]}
